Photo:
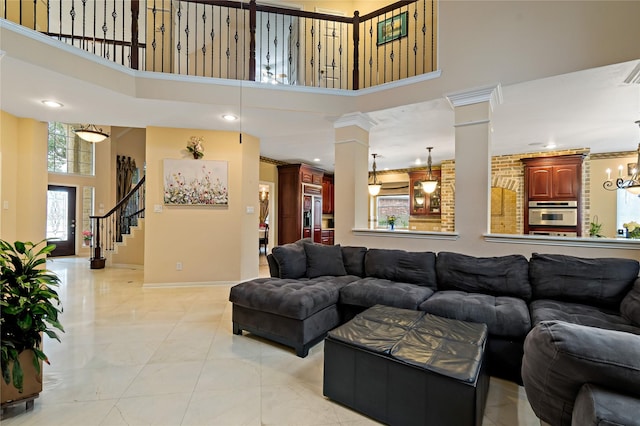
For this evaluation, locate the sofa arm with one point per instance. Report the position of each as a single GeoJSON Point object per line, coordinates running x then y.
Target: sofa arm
{"type": "Point", "coordinates": [560, 357]}
{"type": "Point", "coordinates": [630, 306]}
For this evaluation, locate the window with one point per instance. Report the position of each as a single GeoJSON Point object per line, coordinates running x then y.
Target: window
{"type": "Point", "coordinates": [68, 153]}
{"type": "Point", "coordinates": [392, 205]}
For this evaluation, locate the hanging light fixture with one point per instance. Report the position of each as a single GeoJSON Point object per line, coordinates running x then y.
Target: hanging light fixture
{"type": "Point", "coordinates": [374, 188]}
{"type": "Point", "coordinates": [90, 133]}
{"type": "Point", "coordinates": [430, 184]}
{"type": "Point", "coordinates": [632, 184]}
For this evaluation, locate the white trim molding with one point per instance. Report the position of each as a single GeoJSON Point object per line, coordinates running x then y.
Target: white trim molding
{"type": "Point", "coordinates": [605, 243]}
{"type": "Point", "coordinates": [402, 233]}
{"type": "Point", "coordinates": [355, 119]}
{"type": "Point", "coordinates": [491, 94]}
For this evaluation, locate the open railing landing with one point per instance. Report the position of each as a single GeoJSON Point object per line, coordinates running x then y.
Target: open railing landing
{"type": "Point", "coordinates": [245, 41]}
{"type": "Point", "coordinates": [108, 230]}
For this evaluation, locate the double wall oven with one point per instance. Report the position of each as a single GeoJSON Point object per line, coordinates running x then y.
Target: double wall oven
{"type": "Point", "coordinates": [562, 216]}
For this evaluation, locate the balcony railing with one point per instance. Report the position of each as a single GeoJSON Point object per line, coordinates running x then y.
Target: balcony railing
{"type": "Point", "coordinates": [244, 41]}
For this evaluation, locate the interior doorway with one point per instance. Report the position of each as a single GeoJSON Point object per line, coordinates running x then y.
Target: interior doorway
{"type": "Point", "coordinates": [61, 219]}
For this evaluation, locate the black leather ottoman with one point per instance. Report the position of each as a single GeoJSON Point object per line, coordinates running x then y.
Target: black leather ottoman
{"type": "Point", "coordinates": [408, 367]}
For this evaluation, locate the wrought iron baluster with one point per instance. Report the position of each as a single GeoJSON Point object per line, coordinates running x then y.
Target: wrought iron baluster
{"type": "Point", "coordinates": [213, 36]}
{"type": "Point", "coordinates": [204, 39]}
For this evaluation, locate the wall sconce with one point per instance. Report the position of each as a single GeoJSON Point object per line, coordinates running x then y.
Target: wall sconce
{"type": "Point", "coordinates": [430, 184]}
{"type": "Point", "coordinates": [374, 188]}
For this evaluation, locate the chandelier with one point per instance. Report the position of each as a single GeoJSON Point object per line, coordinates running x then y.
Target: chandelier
{"type": "Point", "coordinates": [632, 184]}
{"type": "Point", "coordinates": [90, 133]}
{"type": "Point", "coordinates": [374, 188]}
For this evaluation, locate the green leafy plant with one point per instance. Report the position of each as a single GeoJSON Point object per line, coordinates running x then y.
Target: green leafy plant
{"type": "Point", "coordinates": [594, 228]}
{"type": "Point", "coordinates": [29, 303]}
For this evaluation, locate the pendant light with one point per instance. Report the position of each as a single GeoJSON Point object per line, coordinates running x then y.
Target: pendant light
{"type": "Point", "coordinates": [374, 188]}
{"type": "Point", "coordinates": [90, 133]}
{"type": "Point", "coordinates": [430, 184]}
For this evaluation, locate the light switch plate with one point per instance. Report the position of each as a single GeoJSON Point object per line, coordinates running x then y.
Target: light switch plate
{"type": "Point", "coordinates": [157, 208]}
{"type": "Point", "coordinates": [250, 210]}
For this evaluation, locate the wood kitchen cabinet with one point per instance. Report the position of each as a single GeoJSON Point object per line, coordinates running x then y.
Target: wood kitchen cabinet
{"type": "Point", "coordinates": [299, 203]}
{"type": "Point", "coordinates": [430, 205]}
{"type": "Point", "coordinates": [327, 194]}
{"type": "Point", "coordinates": [328, 237]}
{"type": "Point", "coordinates": [553, 178]}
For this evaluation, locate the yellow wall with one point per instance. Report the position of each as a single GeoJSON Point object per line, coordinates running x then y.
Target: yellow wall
{"type": "Point", "coordinates": [214, 244]}
{"type": "Point", "coordinates": [23, 150]}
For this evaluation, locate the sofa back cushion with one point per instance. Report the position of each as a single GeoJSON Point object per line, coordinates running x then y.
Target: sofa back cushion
{"type": "Point", "coordinates": [324, 260]}
{"type": "Point", "coordinates": [496, 276]}
{"type": "Point", "coordinates": [291, 259]}
{"type": "Point", "coordinates": [402, 266]}
{"type": "Point", "coordinates": [353, 259]}
{"type": "Point", "coordinates": [599, 282]}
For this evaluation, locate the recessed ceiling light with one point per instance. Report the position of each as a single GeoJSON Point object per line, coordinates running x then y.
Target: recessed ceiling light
{"type": "Point", "coordinates": [386, 168]}
{"type": "Point", "coordinates": [550, 145]}
{"type": "Point", "coordinates": [418, 162]}
{"type": "Point", "coordinates": [316, 159]}
{"type": "Point", "coordinates": [52, 104]}
{"type": "Point", "coordinates": [230, 117]}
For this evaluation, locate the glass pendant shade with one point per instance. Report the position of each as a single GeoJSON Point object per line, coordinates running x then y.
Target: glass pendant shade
{"type": "Point", "coordinates": [91, 133]}
{"type": "Point", "coordinates": [374, 189]}
{"type": "Point", "coordinates": [429, 186]}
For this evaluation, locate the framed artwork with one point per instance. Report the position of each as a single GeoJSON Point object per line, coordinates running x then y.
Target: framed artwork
{"type": "Point", "coordinates": [195, 183]}
{"type": "Point", "coordinates": [392, 28]}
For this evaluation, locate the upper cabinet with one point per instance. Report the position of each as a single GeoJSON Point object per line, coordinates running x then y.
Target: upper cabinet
{"type": "Point", "coordinates": [553, 178]}
{"type": "Point", "coordinates": [327, 194]}
{"type": "Point", "coordinates": [420, 203]}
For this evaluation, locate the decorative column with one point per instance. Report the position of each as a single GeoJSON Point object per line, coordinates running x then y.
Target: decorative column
{"type": "Point", "coordinates": [473, 110]}
{"type": "Point", "coordinates": [351, 174]}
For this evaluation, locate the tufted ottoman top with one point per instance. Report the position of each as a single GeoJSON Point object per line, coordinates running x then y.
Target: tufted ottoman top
{"type": "Point", "coordinates": [449, 347]}
{"type": "Point", "coordinates": [292, 298]}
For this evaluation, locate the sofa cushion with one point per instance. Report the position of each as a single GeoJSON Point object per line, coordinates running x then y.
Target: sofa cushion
{"type": "Point", "coordinates": [599, 282]}
{"type": "Point", "coordinates": [324, 260]}
{"type": "Point", "coordinates": [373, 291]}
{"type": "Point", "coordinates": [630, 306]}
{"type": "Point", "coordinates": [402, 266]}
{"type": "Point", "coordinates": [292, 260]}
{"type": "Point", "coordinates": [504, 316]}
{"type": "Point", "coordinates": [559, 358]}
{"type": "Point", "coordinates": [597, 406]}
{"type": "Point", "coordinates": [353, 259]}
{"type": "Point", "coordinates": [593, 316]}
{"type": "Point", "coordinates": [498, 276]}
{"type": "Point", "coordinates": [298, 299]}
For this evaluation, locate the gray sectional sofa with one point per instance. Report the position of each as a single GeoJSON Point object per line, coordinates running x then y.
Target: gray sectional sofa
{"type": "Point", "coordinates": [314, 288]}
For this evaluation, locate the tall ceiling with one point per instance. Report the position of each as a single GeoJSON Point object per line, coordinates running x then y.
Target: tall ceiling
{"type": "Point", "coordinates": [593, 108]}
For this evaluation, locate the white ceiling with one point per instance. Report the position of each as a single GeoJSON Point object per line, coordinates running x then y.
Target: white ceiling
{"type": "Point", "coordinates": [592, 108]}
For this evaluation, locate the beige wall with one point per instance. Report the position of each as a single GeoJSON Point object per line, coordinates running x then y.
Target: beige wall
{"type": "Point", "coordinates": [269, 175]}
{"type": "Point", "coordinates": [214, 244]}
{"type": "Point", "coordinates": [23, 150]}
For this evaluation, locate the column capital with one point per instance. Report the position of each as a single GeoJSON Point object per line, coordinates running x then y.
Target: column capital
{"type": "Point", "coordinates": [355, 119]}
{"type": "Point", "coordinates": [491, 94]}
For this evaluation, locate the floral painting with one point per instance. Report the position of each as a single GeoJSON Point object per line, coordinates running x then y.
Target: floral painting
{"type": "Point", "coordinates": [195, 183]}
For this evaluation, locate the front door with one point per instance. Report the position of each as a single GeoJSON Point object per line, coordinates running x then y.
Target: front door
{"type": "Point", "coordinates": [61, 219]}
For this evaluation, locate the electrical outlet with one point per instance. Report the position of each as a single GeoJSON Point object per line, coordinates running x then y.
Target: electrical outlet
{"type": "Point", "coordinates": [178, 266]}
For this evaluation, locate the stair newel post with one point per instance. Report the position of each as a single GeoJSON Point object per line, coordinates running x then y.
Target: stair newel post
{"type": "Point", "coordinates": [97, 261]}
{"type": "Point", "coordinates": [356, 50]}
{"type": "Point", "coordinates": [252, 40]}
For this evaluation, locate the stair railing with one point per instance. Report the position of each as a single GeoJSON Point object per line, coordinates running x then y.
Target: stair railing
{"type": "Point", "coordinates": [107, 230]}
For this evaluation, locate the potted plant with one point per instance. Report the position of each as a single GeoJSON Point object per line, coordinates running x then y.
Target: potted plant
{"type": "Point", "coordinates": [30, 306]}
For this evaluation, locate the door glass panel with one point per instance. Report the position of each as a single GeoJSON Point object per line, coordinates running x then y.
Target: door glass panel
{"type": "Point", "coordinates": [57, 216]}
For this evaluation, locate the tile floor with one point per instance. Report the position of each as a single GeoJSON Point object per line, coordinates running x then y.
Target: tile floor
{"type": "Point", "coordinates": [167, 356]}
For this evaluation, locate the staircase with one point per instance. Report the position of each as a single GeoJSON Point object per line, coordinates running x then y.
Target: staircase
{"type": "Point", "coordinates": [119, 234]}
{"type": "Point", "coordinates": [129, 253]}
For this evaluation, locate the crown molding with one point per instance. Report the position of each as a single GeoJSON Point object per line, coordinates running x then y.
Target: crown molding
{"type": "Point", "coordinates": [491, 94]}
{"type": "Point", "coordinates": [355, 119]}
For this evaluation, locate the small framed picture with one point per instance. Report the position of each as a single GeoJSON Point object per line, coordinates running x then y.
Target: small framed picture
{"type": "Point", "coordinates": [392, 28]}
